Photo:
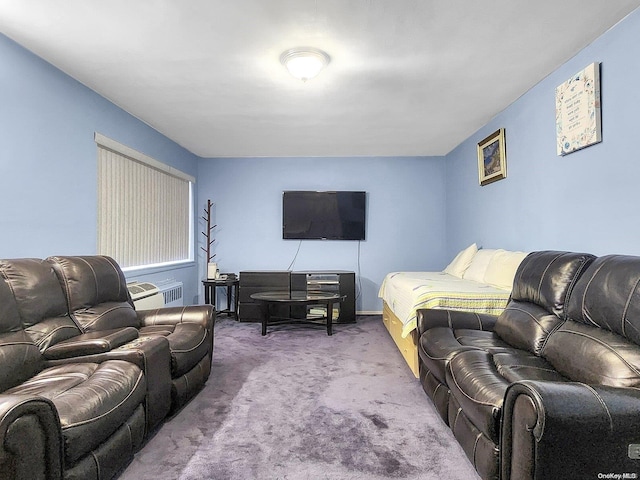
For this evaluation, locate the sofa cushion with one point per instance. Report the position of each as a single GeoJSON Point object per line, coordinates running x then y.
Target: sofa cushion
{"type": "Point", "coordinates": [20, 359]}
{"type": "Point", "coordinates": [519, 365]}
{"type": "Point", "coordinates": [90, 280]}
{"type": "Point", "coordinates": [96, 292]}
{"type": "Point", "coordinates": [438, 345]}
{"type": "Point", "coordinates": [479, 389]}
{"type": "Point", "coordinates": [608, 296]}
{"type": "Point", "coordinates": [593, 355]}
{"type": "Point", "coordinates": [40, 300]}
{"type": "Point", "coordinates": [541, 287]}
{"type": "Point", "coordinates": [546, 278]}
{"type": "Point", "coordinates": [526, 326]}
{"type": "Point", "coordinates": [92, 400]}
{"type": "Point", "coordinates": [106, 316]}
{"type": "Point", "coordinates": [478, 381]}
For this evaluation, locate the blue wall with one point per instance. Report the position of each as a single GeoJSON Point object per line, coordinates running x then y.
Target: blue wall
{"type": "Point", "coordinates": [421, 210]}
{"type": "Point", "coordinates": [48, 160]}
{"type": "Point", "coordinates": [584, 201]}
{"type": "Point", "coordinates": [405, 215]}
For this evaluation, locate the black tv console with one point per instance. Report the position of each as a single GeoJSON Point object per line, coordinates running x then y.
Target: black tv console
{"type": "Point", "coordinates": [340, 282]}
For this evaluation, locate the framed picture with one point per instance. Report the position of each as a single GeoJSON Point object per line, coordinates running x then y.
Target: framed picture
{"type": "Point", "coordinates": [492, 158]}
{"type": "Point", "coordinates": [578, 116]}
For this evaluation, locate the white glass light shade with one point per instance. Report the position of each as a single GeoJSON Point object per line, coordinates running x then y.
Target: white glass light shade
{"type": "Point", "coordinates": [304, 63]}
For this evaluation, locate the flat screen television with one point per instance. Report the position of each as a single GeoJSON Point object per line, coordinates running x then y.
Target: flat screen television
{"type": "Point", "coordinates": [309, 215]}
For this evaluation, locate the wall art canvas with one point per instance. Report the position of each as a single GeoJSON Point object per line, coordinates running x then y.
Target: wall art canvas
{"type": "Point", "coordinates": [578, 119]}
{"type": "Point", "coordinates": [492, 158]}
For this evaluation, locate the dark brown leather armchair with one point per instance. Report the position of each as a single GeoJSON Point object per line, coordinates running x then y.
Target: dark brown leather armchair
{"type": "Point", "coordinates": [84, 378]}
{"type": "Point", "coordinates": [99, 301]}
{"type": "Point", "coordinates": [85, 418]}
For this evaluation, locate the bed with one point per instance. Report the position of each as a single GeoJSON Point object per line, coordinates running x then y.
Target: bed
{"type": "Point", "coordinates": [481, 287]}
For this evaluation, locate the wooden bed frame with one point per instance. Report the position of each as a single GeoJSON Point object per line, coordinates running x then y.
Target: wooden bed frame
{"type": "Point", "coordinates": [408, 346]}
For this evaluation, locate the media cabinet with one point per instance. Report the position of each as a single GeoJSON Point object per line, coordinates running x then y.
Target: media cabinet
{"type": "Point", "coordinates": [340, 282]}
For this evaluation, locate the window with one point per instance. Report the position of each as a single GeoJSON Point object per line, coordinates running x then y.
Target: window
{"type": "Point", "coordinates": [144, 208]}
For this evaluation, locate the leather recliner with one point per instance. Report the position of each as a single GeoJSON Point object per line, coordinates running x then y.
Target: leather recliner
{"type": "Point", "coordinates": [98, 300]}
{"type": "Point", "coordinates": [85, 419]}
{"type": "Point", "coordinates": [469, 362]}
{"type": "Point", "coordinates": [84, 378]}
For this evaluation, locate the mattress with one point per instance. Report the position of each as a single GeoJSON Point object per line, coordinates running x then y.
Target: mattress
{"type": "Point", "coordinates": [407, 292]}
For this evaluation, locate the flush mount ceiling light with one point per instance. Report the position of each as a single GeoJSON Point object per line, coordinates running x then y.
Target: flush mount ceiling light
{"type": "Point", "coordinates": [304, 62]}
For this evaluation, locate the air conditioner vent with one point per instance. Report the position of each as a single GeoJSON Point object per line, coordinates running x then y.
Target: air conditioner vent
{"type": "Point", "coordinates": [145, 295]}
{"type": "Point", "coordinates": [140, 290]}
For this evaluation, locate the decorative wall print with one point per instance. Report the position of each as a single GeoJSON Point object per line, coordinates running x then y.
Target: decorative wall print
{"type": "Point", "coordinates": [492, 158]}
{"type": "Point", "coordinates": [578, 121]}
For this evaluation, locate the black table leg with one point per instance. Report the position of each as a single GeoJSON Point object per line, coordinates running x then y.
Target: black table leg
{"type": "Point", "coordinates": [330, 318]}
{"type": "Point", "coordinates": [264, 308]}
{"type": "Point", "coordinates": [235, 301]}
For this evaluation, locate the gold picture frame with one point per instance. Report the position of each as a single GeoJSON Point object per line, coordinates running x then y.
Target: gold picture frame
{"type": "Point", "coordinates": [492, 158]}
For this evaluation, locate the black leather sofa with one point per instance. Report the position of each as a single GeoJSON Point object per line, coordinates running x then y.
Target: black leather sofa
{"type": "Point", "coordinates": [84, 377]}
{"type": "Point", "coordinates": [550, 388]}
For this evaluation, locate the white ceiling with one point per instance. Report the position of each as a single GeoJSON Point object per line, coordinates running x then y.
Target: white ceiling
{"type": "Point", "coordinates": [407, 77]}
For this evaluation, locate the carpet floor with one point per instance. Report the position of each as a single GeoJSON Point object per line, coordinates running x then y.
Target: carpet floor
{"type": "Point", "coordinates": [298, 404]}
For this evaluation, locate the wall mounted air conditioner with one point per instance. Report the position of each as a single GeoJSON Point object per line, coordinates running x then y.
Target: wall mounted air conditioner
{"type": "Point", "coordinates": [145, 295]}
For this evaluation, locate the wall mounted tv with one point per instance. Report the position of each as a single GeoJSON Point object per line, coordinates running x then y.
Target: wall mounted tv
{"type": "Point", "coordinates": [309, 215]}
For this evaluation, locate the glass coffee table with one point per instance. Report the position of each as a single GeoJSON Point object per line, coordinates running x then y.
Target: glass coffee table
{"type": "Point", "coordinates": [268, 299]}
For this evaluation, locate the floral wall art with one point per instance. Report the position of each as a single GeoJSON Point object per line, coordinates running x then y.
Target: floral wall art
{"type": "Point", "coordinates": [578, 119]}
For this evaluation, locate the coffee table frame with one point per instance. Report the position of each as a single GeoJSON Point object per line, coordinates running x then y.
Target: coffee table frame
{"type": "Point", "coordinates": [267, 299]}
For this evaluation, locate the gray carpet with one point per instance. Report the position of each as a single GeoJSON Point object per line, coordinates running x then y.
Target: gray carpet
{"type": "Point", "coordinates": [300, 405]}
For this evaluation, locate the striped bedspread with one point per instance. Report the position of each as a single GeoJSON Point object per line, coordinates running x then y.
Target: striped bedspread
{"type": "Point", "coordinates": [406, 292]}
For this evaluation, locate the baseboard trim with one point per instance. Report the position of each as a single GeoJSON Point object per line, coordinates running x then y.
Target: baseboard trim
{"type": "Point", "coordinates": [366, 312]}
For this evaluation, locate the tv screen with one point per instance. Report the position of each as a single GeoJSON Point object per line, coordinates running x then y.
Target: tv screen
{"type": "Point", "coordinates": [308, 215]}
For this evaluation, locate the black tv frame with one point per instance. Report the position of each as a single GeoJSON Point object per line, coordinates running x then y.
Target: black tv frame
{"type": "Point", "coordinates": [328, 215]}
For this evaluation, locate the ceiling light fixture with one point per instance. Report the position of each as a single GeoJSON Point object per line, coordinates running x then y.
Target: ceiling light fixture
{"type": "Point", "coordinates": [304, 62]}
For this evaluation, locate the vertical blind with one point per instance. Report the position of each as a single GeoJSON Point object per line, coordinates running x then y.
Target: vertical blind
{"type": "Point", "coordinates": [143, 211]}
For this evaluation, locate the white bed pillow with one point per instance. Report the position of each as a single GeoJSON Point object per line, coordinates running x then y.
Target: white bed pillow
{"type": "Point", "coordinates": [479, 265]}
{"type": "Point", "coordinates": [461, 261]}
{"type": "Point", "coordinates": [502, 268]}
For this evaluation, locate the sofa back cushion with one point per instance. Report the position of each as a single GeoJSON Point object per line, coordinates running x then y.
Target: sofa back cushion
{"type": "Point", "coordinates": [96, 292]}
{"type": "Point", "coordinates": [526, 326]}
{"type": "Point", "coordinates": [546, 278]}
{"type": "Point", "coordinates": [20, 359]}
{"type": "Point", "coordinates": [600, 343]}
{"type": "Point", "coordinates": [608, 296]}
{"type": "Point", "coordinates": [540, 288]}
{"type": "Point", "coordinates": [593, 355]}
{"type": "Point", "coordinates": [39, 300]}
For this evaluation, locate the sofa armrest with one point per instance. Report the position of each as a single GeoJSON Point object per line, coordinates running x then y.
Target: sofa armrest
{"type": "Point", "coordinates": [569, 430]}
{"type": "Point", "coordinates": [91, 343]}
{"type": "Point", "coordinates": [202, 314]}
{"type": "Point", "coordinates": [432, 318]}
{"type": "Point", "coordinates": [30, 438]}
